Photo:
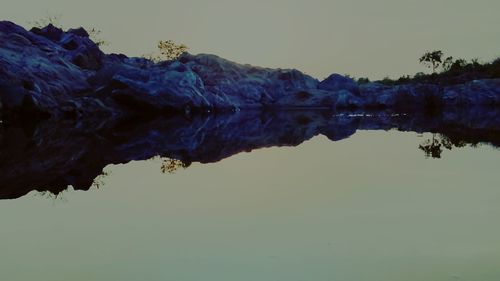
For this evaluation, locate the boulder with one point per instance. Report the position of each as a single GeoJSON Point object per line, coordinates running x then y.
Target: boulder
{"type": "Point", "coordinates": [50, 32]}
{"type": "Point", "coordinates": [337, 82]}
{"type": "Point", "coordinates": [81, 32]}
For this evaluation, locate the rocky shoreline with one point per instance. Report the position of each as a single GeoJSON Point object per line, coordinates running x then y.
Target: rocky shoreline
{"type": "Point", "coordinates": [68, 109]}
{"type": "Point", "coordinates": [64, 75]}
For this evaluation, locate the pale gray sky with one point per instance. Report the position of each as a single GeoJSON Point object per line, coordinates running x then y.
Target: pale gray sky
{"type": "Point", "coordinates": [359, 37]}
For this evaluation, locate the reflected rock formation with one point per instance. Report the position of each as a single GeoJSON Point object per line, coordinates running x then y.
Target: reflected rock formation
{"type": "Point", "coordinates": [51, 155]}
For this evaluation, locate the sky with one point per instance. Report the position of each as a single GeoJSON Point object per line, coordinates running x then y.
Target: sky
{"type": "Point", "coordinates": [362, 38]}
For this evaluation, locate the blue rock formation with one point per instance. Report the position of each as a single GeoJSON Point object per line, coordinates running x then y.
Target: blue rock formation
{"type": "Point", "coordinates": [63, 74]}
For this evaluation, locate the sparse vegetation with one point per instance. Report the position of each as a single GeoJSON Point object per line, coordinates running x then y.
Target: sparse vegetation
{"type": "Point", "coordinates": [55, 20]}
{"type": "Point", "coordinates": [363, 80]}
{"type": "Point", "coordinates": [453, 71]}
{"type": "Point", "coordinates": [170, 50]}
{"type": "Point", "coordinates": [95, 35]}
{"type": "Point", "coordinates": [167, 50]}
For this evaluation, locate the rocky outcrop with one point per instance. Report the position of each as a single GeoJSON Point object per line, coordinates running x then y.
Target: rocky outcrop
{"type": "Point", "coordinates": [63, 74]}
{"type": "Point", "coordinates": [109, 108]}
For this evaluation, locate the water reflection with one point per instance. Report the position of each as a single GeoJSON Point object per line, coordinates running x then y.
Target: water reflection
{"type": "Point", "coordinates": [172, 165]}
{"type": "Point", "coordinates": [434, 147]}
{"type": "Point", "coordinates": [51, 156]}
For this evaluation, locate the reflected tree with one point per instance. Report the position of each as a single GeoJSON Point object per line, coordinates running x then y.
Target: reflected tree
{"type": "Point", "coordinates": [433, 147]}
{"type": "Point", "coordinates": [99, 180]}
{"type": "Point", "coordinates": [59, 196]}
{"type": "Point", "coordinates": [172, 165]}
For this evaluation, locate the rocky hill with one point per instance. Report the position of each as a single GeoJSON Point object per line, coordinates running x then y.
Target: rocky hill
{"type": "Point", "coordinates": [63, 74]}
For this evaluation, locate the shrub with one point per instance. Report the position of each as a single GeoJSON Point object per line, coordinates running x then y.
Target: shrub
{"type": "Point", "coordinates": [363, 80]}
{"type": "Point", "coordinates": [170, 50]}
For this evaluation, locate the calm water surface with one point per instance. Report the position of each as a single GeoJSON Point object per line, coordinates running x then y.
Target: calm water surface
{"type": "Point", "coordinates": [370, 207]}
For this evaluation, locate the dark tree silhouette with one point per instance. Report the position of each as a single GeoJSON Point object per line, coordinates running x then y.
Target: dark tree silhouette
{"type": "Point", "coordinates": [447, 63]}
{"type": "Point", "coordinates": [431, 147]}
{"type": "Point", "coordinates": [432, 59]}
{"type": "Point", "coordinates": [434, 147]}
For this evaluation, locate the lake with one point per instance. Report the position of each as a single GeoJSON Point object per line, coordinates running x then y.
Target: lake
{"type": "Point", "coordinates": [295, 196]}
